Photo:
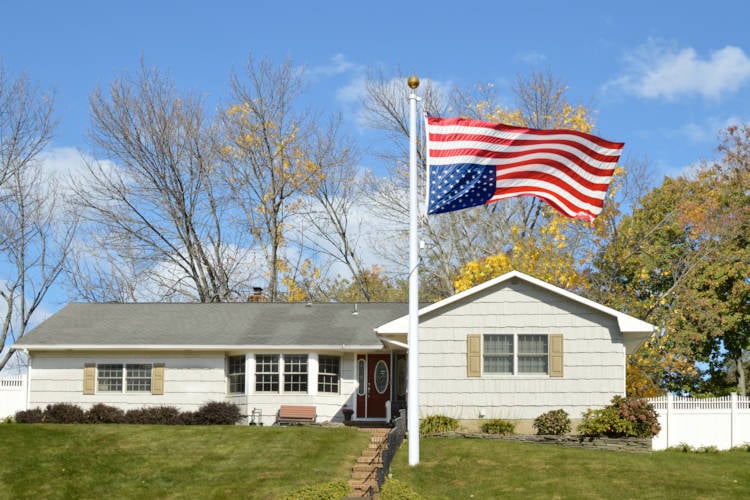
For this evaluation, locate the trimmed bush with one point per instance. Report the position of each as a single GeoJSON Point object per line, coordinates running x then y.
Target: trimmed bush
{"type": "Point", "coordinates": [553, 422]}
{"type": "Point", "coordinates": [161, 415]}
{"type": "Point", "coordinates": [104, 414]}
{"type": "Point", "coordinates": [135, 416]}
{"type": "Point", "coordinates": [218, 413]}
{"type": "Point", "coordinates": [185, 418]}
{"type": "Point", "coordinates": [498, 426]}
{"type": "Point", "coordinates": [64, 413]}
{"type": "Point", "coordinates": [33, 416]}
{"type": "Point", "coordinates": [154, 415]}
{"type": "Point", "coordinates": [334, 490]}
{"type": "Point", "coordinates": [437, 424]}
{"type": "Point", "coordinates": [625, 417]}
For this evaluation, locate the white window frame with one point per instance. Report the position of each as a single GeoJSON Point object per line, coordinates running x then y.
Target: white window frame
{"type": "Point", "coordinates": [295, 381]}
{"type": "Point", "coordinates": [130, 381]}
{"type": "Point", "coordinates": [236, 379]}
{"type": "Point", "coordinates": [329, 379]}
{"type": "Point", "coordinates": [516, 355]}
{"type": "Point", "coordinates": [271, 382]}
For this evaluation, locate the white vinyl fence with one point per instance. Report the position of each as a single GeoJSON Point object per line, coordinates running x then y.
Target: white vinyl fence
{"type": "Point", "coordinates": [12, 395]}
{"type": "Point", "coordinates": [720, 422]}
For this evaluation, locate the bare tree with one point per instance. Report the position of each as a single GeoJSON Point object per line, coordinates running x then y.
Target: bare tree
{"type": "Point", "coordinates": [336, 199]}
{"type": "Point", "coordinates": [451, 239]}
{"type": "Point", "coordinates": [35, 244]}
{"type": "Point", "coordinates": [153, 201]}
{"type": "Point", "coordinates": [267, 167]}
{"type": "Point", "coordinates": [26, 123]}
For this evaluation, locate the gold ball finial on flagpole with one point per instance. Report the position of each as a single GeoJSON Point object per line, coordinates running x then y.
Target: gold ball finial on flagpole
{"type": "Point", "coordinates": [413, 82]}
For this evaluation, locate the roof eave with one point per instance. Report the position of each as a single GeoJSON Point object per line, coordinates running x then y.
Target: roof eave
{"type": "Point", "coordinates": [185, 347]}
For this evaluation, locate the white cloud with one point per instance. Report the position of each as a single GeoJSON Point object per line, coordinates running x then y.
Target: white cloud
{"type": "Point", "coordinates": [338, 64]}
{"type": "Point", "coordinates": [658, 70]}
{"type": "Point", "coordinates": [709, 130]}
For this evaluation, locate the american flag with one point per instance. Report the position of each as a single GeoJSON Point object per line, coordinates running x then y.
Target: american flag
{"type": "Point", "coordinates": [471, 162]}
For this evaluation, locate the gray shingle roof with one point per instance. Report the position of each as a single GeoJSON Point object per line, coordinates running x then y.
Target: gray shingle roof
{"type": "Point", "coordinates": [241, 324]}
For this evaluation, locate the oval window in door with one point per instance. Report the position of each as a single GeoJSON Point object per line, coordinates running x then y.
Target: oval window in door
{"type": "Point", "coordinates": [381, 377]}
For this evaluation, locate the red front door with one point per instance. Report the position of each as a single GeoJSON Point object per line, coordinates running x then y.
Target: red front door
{"type": "Point", "coordinates": [374, 375]}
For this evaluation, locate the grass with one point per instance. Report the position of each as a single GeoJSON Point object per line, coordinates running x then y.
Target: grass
{"type": "Point", "coordinates": [127, 461]}
{"type": "Point", "coordinates": [478, 468]}
{"type": "Point", "coordinates": [124, 461]}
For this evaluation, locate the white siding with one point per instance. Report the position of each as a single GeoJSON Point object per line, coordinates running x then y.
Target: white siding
{"type": "Point", "coordinates": [593, 356]}
{"type": "Point", "coordinates": [190, 380]}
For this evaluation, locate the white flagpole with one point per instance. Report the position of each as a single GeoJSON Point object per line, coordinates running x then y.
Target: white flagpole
{"type": "Point", "coordinates": [413, 336]}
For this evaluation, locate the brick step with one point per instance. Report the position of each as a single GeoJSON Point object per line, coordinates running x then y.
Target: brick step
{"type": "Point", "coordinates": [375, 461]}
{"type": "Point", "coordinates": [363, 486]}
{"type": "Point", "coordinates": [363, 467]}
{"type": "Point", "coordinates": [363, 475]}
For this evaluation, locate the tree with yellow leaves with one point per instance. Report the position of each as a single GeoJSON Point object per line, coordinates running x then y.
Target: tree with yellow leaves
{"type": "Point", "coordinates": [529, 235]}
{"type": "Point", "coordinates": [267, 168]}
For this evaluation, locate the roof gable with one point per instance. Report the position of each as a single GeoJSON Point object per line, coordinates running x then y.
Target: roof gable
{"type": "Point", "coordinates": [634, 329]}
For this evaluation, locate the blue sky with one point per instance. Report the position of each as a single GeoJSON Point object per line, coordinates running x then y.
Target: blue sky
{"type": "Point", "coordinates": [663, 76]}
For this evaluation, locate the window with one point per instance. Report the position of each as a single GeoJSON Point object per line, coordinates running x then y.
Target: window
{"type": "Point", "coordinates": [328, 374]}
{"type": "Point", "coordinates": [295, 373]}
{"type": "Point", "coordinates": [498, 354]}
{"type": "Point", "coordinates": [109, 377]}
{"type": "Point", "coordinates": [135, 377]}
{"type": "Point", "coordinates": [236, 374]}
{"type": "Point", "coordinates": [516, 354]}
{"type": "Point", "coordinates": [138, 378]}
{"type": "Point", "coordinates": [533, 354]}
{"type": "Point", "coordinates": [267, 372]}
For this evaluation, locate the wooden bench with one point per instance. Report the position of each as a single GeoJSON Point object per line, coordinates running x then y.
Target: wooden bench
{"type": "Point", "coordinates": [296, 415]}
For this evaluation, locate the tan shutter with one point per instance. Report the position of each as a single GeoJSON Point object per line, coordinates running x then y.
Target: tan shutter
{"type": "Point", "coordinates": [556, 355]}
{"type": "Point", "coordinates": [89, 378]}
{"type": "Point", "coordinates": [473, 355]}
{"type": "Point", "coordinates": [157, 379]}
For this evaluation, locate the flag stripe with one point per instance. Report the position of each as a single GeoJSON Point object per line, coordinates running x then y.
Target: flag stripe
{"type": "Point", "coordinates": [570, 170]}
{"type": "Point", "coordinates": [499, 130]}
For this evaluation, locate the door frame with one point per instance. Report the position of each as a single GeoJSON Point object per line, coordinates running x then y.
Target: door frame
{"type": "Point", "coordinates": [366, 395]}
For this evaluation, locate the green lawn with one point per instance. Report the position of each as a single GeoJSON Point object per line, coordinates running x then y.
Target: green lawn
{"type": "Point", "coordinates": [128, 461]}
{"type": "Point", "coordinates": [477, 468]}
{"type": "Point", "coordinates": [123, 461]}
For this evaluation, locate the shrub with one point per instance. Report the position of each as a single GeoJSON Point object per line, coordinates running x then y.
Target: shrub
{"type": "Point", "coordinates": [393, 489]}
{"type": "Point", "coordinates": [625, 417]}
{"type": "Point", "coordinates": [640, 413]}
{"type": "Point", "coordinates": [498, 426]}
{"type": "Point", "coordinates": [33, 416]}
{"type": "Point", "coordinates": [154, 415]}
{"type": "Point", "coordinates": [104, 414]}
{"type": "Point", "coordinates": [135, 416]}
{"type": "Point", "coordinates": [162, 415]}
{"type": "Point", "coordinates": [64, 413]}
{"type": "Point", "coordinates": [185, 418]}
{"type": "Point", "coordinates": [326, 491]}
{"type": "Point", "coordinates": [436, 424]}
{"type": "Point", "coordinates": [553, 422]}
{"type": "Point", "coordinates": [218, 413]}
